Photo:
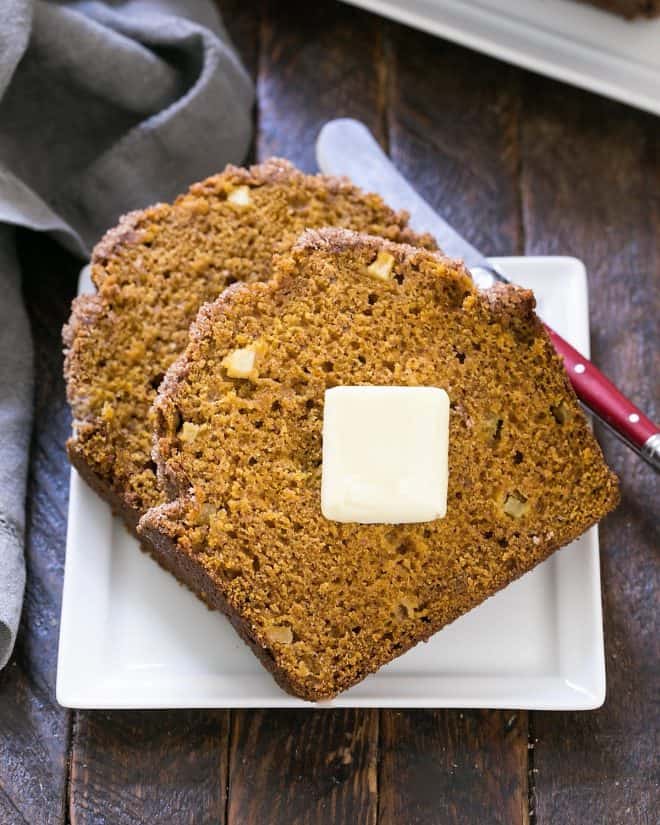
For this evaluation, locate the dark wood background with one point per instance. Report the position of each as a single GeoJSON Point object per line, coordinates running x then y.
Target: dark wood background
{"type": "Point", "coordinates": [519, 164]}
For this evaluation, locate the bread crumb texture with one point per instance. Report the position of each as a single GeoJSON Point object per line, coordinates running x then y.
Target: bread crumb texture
{"type": "Point", "coordinates": [326, 603]}
{"type": "Point", "coordinates": [153, 272]}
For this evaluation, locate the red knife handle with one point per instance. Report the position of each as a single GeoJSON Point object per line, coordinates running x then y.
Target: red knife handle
{"type": "Point", "coordinates": [601, 396]}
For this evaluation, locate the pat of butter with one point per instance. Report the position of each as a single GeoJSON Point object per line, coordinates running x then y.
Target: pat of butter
{"type": "Point", "coordinates": [385, 454]}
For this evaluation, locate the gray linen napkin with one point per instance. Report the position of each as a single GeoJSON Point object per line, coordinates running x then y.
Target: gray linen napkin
{"type": "Point", "coordinates": [104, 107]}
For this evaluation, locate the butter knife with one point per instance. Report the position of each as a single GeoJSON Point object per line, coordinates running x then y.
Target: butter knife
{"type": "Point", "coordinates": [347, 147]}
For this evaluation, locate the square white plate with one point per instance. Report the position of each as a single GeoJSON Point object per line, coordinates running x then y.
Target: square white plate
{"type": "Point", "coordinates": [565, 39]}
{"type": "Point", "coordinates": [132, 637]}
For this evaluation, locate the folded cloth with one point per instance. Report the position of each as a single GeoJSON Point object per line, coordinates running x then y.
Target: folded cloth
{"type": "Point", "coordinates": [104, 108]}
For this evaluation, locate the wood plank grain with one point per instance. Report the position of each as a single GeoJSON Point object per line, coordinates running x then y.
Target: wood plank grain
{"type": "Point", "coordinates": [318, 61]}
{"type": "Point", "coordinates": [453, 124]}
{"type": "Point", "coordinates": [243, 23]}
{"type": "Point", "coordinates": [303, 768]}
{"type": "Point", "coordinates": [592, 189]}
{"type": "Point", "coordinates": [34, 730]}
{"type": "Point", "coordinates": [156, 767]}
{"type": "Point", "coordinates": [453, 767]}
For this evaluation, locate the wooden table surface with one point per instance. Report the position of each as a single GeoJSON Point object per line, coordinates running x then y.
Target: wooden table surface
{"type": "Point", "coordinates": [520, 165]}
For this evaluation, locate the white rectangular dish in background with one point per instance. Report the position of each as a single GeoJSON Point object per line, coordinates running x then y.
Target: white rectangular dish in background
{"type": "Point", "coordinates": [133, 637]}
{"type": "Point", "coordinates": [565, 39]}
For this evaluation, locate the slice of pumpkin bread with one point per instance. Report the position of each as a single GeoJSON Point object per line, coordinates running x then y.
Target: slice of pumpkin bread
{"type": "Point", "coordinates": [153, 272]}
{"type": "Point", "coordinates": [238, 448]}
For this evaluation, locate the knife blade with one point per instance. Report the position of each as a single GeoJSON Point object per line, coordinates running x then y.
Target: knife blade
{"type": "Point", "coordinates": [346, 147]}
